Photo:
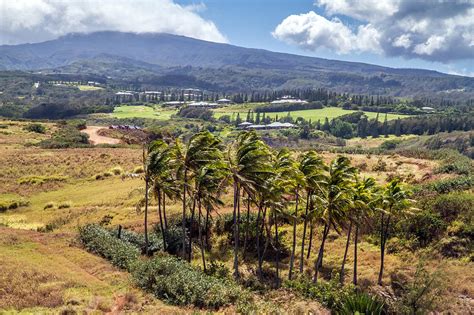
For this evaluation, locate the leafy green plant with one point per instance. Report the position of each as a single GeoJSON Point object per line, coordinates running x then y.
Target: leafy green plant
{"type": "Point", "coordinates": [35, 127]}
{"type": "Point", "coordinates": [177, 282]}
{"type": "Point", "coordinates": [98, 240]}
{"type": "Point", "coordinates": [360, 303]}
{"type": "Point", "coordinates": [331, 294]}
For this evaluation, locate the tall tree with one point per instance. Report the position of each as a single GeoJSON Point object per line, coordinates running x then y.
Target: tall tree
{"type": "Point", "coordinates": [311, 167]}
{"type": "Point", "coordinates": [248, 159]}
{"type": "Point", "coordinates": [334, 198]}
{"type": "Point", "coordinates": [394, 201]}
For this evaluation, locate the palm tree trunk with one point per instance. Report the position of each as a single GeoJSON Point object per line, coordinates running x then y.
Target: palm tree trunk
{"type": "Point", "coordinates": [382, 249]}
{"type": "Point", "coordinates": [164, 211]}
{"type": "Point", "coordinates": [292, 258]}
{"type": "Point", "coordinates": [356, 236]}
{"type": "Point", "coordinates": [258, 239]}
{"type": "Point", "coordinates": [247, 224]}
{"type": "Point", "coordinates": [236, 232]}
{"type": "Point", "coordinates": [201, 241]}
{"type": "Point", "coordinates": [208, 245]}
{"type": "Point", "coordinates": [190, 253]}
{"type": "Point", "coordinates": [345, 253]}
{"type": "Point", "coordinates": [261, 231]}
{"type": "Point", "coordinates": [318, 262]}
{"type": "Point", "coordinates": [183, 244]}
{"type": "Point", "coordinates": [277, 256]}
{"type": "Point", "coordinates": [310, 244]}
{"type": "Point", "coordinates": [305, 224]}
{"type": "Point", "coordinates": [146, 213]}
{"type": "Point", "coordinates": [163, 233]}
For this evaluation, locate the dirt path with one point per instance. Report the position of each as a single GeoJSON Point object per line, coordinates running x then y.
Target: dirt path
{"type": "Point", "coordinates": [95, 138]}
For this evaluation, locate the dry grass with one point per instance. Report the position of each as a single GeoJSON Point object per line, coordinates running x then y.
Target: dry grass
{"type": "Point", "coordinates": [71, 163]}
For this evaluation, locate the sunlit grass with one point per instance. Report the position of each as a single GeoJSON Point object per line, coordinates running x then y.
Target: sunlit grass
{"type": "Point", "coordinates": [126, 111]}
{"type": "Point", "coordinates": [313, 114]}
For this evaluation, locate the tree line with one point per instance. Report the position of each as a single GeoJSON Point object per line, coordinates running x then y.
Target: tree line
{"type": "Point", "coordinates": [276, 186]}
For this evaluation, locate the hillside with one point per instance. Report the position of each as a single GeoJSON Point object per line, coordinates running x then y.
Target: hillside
{"type": "Point", "coordinates": [154, 57]}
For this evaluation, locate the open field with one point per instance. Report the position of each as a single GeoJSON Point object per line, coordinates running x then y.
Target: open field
{"type": "Point", "coordinates": [89, 88]}
{"type": "Point", "coordinates": [127, 111]}
{"type": "Point", "coordinates": [313, 114]}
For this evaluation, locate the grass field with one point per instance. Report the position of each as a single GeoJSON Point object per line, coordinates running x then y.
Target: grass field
{"type": "Point", "coordinates": [89, 88]}
{"type": "Point", "coordinates": [126, 111]}
{"type": "Point", "coordinates": [313, 114]}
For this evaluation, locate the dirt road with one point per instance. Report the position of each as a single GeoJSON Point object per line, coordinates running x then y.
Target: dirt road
{"type": "Point", "coordinates": [95, 138]}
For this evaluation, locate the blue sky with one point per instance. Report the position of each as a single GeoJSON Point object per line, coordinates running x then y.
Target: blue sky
{"type": "Point", "coordinates": [250, 23]}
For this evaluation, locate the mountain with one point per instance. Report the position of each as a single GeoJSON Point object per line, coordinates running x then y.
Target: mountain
{"type": "Point", "coordinates": [150, 57]}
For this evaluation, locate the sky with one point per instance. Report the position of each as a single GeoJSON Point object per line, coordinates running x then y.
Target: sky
{"type": "Point", "coordinates": [429, 34]}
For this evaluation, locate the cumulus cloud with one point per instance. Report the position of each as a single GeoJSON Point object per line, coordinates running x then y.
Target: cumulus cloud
{"type": "Point", "coordinates": [311, 31]}
{"type": "Point", "coordinates": [38, 20]}
{"type": "Point", "coordinates": [435, 30]}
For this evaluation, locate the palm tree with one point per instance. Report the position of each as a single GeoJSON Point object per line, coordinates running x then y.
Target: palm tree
{"type": "Point", "coordinates": [362, 204]}
{"type": "Point", "coordinates": [158, 167]}
{"type": "Point", "coordinates": [394, 201]}
{"type": "Point", "coordinates": [248, 164]}
{"type": "Point", "coordinates": [201, 149]}
{"type": "Point", "coordinates": [209, 181]}
{"type": "Point", "coordinates": [311, 167]}
{"type": "Point", "coordinates": [334, 198]}
{"type": "Point", "coordinates": [289, 179]}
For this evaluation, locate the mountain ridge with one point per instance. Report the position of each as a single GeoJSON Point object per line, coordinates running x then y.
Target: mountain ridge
{"type": "Point", "coordinates": [161, 53]}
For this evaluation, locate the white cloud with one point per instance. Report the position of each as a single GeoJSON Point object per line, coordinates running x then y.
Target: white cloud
{"type": "Point", "coordinates": [312, 31]}
{"type": "Point", "coordinates": [402, 41]}
{"type": "Point", "coordinates": [38, 20]}
{"type": "Point", "coordinates": [368, 10]}
{"type": "Point", "coordinates": [432, 44]}
{"type": "Point", "coordinates": [431, 30]}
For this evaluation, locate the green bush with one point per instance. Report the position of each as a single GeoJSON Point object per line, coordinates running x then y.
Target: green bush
{"type": "Point", "coordinates": [49, 205]}
{"type": "Point", "coordinates": [450, 206]}
{"type": "Point", "coordinates": [155, 242]}
{"type": "Point", "coordinates": [330, 294]}
{"type": "Point", "coordinates": [117, 170]}
{"type": "Point", "coordinates": [452, 184]}
{"type": "Point", "coordinates": [13, 204]}
{"type": "Point", "coordinates": [98, 240]}
{"type": "Point", "coordinates": [360, 303]}
{"type": "Point", "coordinates": [65, 205]}
{"type": "Point", "coordinates": [177, 282]}
{"type": "Point", "coordinates": [34, 127]}
{"type": "Point", "coordinates": [423, 226]}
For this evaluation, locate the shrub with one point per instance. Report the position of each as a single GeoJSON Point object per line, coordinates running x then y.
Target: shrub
{"type": "Point", "coordinates": [39, 180]}
{"type": "Point", "coordinates": [177, 282]}
{"type": "Point", "coordinates": [452, 184]}
{"type": "Point", "coordinates": [381, 166]}
{"type": "Point", "coordinates": [49, 205]}
{"type": "Point", "coordinates": [13, 204]}
{"type": "Point", "coordinates": [450, 206]}
{"type": "Point", "coordinates": [331, 294]}
{"type": "Point", "coordinates": [38, 128]}
{"type": "Point", "coordinates": [117, 170]}
{"type": "Point", "coordinates": [360, 303]}
{"type": "Point", "coordinates": [138, 170]}
{"type": "Point", "coordinates": [65, 205]}
{"type": "Point", "coordinates": [155, 243]}
{"type": "Point", "coordinates": [98, 240]}
{"type": "Point", "coordinates": [418, 295]}
{"type": "Point", "coordinates": [424, 226]}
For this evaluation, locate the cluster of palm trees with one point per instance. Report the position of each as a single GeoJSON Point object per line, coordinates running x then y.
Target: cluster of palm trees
{"type": "Point", "coordinates": [279, 186]}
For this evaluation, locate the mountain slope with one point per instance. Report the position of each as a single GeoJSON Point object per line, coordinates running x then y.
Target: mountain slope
{"type": "Point", "coordinates": [110, 53]}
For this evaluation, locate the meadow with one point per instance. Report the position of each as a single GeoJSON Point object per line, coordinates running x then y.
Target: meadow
{"type": "Point", "coordinates": [313, 114]}
{"type": "Point", "coordinates": [139, 111]}
{"type": "Point", "coordinates": [128, 111]}
{"type": "Point", "coordinates": [68, 188]}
